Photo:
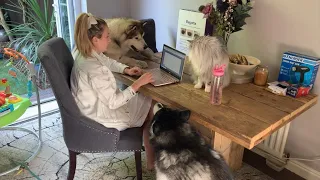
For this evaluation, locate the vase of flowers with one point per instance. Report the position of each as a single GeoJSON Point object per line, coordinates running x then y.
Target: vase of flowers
{"type": "Point", "coordinates": [225, 17]}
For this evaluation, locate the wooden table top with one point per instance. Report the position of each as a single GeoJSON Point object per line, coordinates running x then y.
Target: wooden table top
{"type": "Point", "coordinates": [248, 113]}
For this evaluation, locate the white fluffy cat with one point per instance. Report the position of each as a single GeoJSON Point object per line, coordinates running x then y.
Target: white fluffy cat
{"type": "Point", "coordinates": [204, 53]}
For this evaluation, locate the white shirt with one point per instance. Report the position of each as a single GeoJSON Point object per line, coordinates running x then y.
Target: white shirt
{"type": "Point", "coordinates": [94, 88]}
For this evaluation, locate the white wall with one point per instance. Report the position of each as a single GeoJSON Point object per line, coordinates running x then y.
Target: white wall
{"type": "Point", "coordinates": [275, 27]}
{"type": "Point", "coordinates": [108, 8]}
{"type": "Point", "coordinates": [165, 13]}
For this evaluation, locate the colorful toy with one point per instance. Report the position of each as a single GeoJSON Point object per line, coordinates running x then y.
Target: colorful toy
{"type": "Point", "coordinates": [29, 86]}
{"type": "Point", "coordinates": [4, 82]}
{"type": "Point", "coordinates": [27, 68]}
{"type": "Point", "coordinates": [24, 66]}
{"type": "Point", "coordinates": [14, 99]}
{"type": "Point", "coordinates": [13, 73]}
{"type": "Point", "coordinates": [6, 109]}
{"type": "Point", "coordinates": [2, 101]}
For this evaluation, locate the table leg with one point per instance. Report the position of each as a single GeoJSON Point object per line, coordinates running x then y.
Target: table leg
{"type": "Point", "coordinates": [231, 151]}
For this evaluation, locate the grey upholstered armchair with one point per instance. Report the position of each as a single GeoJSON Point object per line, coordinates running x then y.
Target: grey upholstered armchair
{"type": "Point", "coordinates": [81, 134]}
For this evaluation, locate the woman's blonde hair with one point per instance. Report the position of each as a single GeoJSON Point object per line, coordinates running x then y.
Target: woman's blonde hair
{"type": "Point", "coordinates": [87, 26]}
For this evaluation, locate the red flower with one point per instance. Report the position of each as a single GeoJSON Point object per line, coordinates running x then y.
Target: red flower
{"type": "Point", "coordinates": [207, 10]}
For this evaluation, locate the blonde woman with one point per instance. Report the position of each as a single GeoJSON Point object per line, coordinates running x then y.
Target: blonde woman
{"type": "Point", "coordinates": [94, 86]}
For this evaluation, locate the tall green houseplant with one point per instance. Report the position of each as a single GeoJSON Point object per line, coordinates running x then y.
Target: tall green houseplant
{"type": "Point", "coordinates": [39, 27]}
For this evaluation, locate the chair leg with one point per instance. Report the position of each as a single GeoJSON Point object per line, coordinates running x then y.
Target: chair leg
{"type": "Point", "coordinates": [137, 156]}
{"type": "Point", "coordinates": [72, 164]}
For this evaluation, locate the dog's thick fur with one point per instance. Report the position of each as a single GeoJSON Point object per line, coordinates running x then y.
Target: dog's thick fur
{"type": "Point", "coordinates": [204, 53]}
{"type": "Point", "coordinates": [127, 44]}
{"type": "Point", "coordinates": [180, 152]}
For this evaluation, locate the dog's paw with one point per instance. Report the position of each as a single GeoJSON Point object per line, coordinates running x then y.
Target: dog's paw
{"type": "Point", "coordinates": [207, 89]}
{"type": "Point", "coordinates": [198, 86]}
{"type": "Point", "coordinates": [141, 64]}
{"type": "Point", "coordinates": [156, 59]}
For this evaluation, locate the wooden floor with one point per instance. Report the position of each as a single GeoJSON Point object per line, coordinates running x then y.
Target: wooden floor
{"type": "Point", "coordinates": [259, 163]}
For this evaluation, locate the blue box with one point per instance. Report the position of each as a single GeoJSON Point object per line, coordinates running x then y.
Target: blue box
{"type": "Point", "coordinates": [300, 71]}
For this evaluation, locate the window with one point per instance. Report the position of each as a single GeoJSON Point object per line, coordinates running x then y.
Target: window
{"type": "Point", "coordinates": [66, 12]}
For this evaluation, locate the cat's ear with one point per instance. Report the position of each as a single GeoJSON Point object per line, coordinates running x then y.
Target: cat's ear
{"type": "Point", "coordinates": [185, 115]}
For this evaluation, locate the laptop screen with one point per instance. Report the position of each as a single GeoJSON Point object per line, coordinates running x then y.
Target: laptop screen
{"type": "Point", "coordinates": [172, 61]}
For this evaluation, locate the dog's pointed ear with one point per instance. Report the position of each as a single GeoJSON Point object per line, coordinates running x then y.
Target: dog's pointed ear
{"type": "Point", "coordinates": [185, 115]}
{"type": "Point", "coordinates": [157, 107]}
{"type": "Point", "coordinates": [131, 28]}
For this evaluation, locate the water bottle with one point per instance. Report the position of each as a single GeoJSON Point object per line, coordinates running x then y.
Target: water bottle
{"type": "Point", "coordinates": [217, 84]}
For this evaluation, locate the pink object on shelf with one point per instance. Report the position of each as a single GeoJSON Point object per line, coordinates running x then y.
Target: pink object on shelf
{"type": "Point", "coordinates": [217, 84]}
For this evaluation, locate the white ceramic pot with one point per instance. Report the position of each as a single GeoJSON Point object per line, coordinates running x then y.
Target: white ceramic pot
{"type": "Point", "coordinates": [243, 69]}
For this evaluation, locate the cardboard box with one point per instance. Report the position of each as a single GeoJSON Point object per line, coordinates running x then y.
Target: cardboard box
{"type": "Point", "coordinates": [300, 71]}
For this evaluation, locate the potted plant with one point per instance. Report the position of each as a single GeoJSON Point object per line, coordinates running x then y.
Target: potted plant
{"type": "Point", "coordinates": [226, 16]}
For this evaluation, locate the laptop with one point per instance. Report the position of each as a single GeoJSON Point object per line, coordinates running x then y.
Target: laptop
{"type": "Point", "coordinates": [171, 67]}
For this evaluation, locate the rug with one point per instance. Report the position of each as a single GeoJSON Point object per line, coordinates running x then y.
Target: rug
{"type": "Point", "coordinates": [52, 162]}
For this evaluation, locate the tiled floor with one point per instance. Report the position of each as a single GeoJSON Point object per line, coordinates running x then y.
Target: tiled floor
{"type": "Point", "coordinates": [52, 161]}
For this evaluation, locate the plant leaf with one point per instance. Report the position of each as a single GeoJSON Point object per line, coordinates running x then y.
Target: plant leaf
{"type": "Point", "coordinates": [40, 27]}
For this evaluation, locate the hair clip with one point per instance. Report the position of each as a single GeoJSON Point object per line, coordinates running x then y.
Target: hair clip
{"type": "Point", "coordinates": [91, 20]}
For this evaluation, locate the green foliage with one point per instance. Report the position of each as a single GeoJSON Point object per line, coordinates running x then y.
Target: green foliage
{"type": "Point", "coordinates": [227, 21]}
{"type": "Point", "coordinates": [40, 26]}
{"type": "Point", "coordinates": [241, 12]}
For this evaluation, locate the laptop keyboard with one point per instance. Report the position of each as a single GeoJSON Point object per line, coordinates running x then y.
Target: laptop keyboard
{"type": "Point", "coordinates": [161, 76]}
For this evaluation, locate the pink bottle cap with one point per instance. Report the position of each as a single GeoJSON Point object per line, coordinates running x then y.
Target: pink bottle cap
{"type": "Point", "coordinates": [218, 70]}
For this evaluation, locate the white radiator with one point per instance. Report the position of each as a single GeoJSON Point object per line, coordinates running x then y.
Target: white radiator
{"type": "Point", "coordinates": [272, 148]}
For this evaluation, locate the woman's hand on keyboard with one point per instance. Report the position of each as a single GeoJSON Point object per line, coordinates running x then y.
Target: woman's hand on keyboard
{"type": "Point", "coordinates": [146, 78]}
{"type": "Point", "coordinates": [135, 71]}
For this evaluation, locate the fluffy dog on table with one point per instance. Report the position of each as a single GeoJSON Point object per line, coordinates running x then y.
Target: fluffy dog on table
{"type": "Point", "coordinates": [180, 152]}
{"type": "Point", "coordinates": [204, 53]}
{"type": "Point", "coordinates": [127, 44]}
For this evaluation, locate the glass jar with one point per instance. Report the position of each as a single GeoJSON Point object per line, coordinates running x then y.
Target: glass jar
{"type": "Point", "coordinates": [261, 75]}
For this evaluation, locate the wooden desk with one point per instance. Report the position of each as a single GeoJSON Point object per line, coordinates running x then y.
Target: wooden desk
{"type": "Point", "coordinates": [247, 115]}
